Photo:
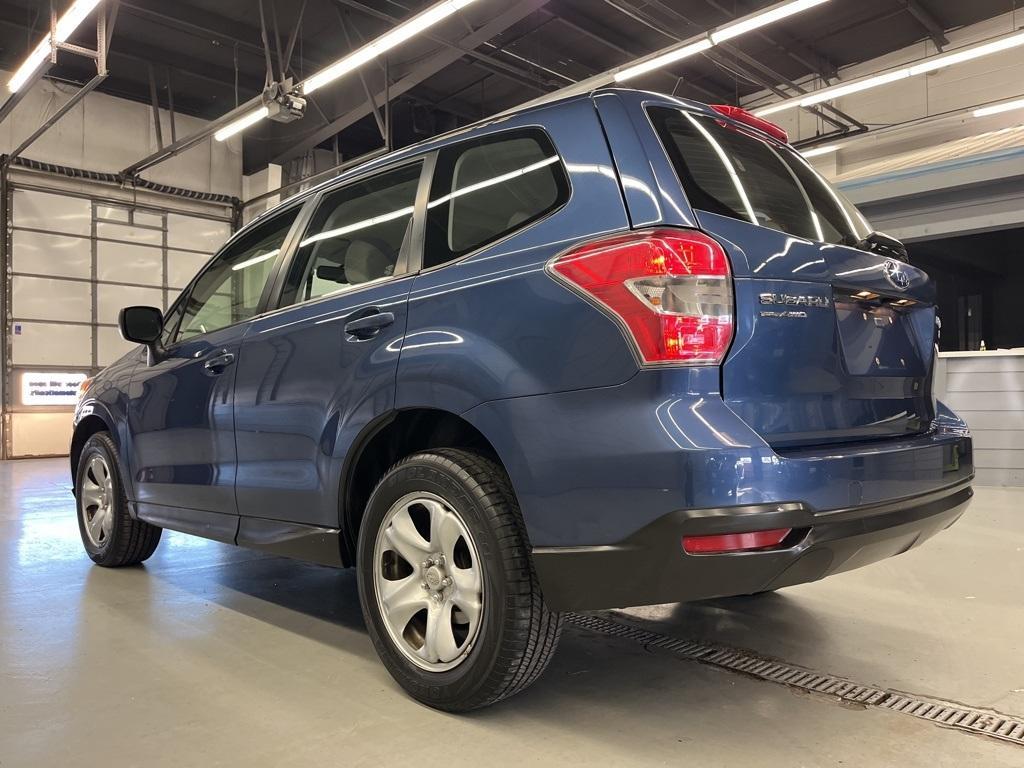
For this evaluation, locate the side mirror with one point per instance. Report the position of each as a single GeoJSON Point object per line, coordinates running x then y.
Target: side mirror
{"type": "Point", "coordinates": [142, 325]}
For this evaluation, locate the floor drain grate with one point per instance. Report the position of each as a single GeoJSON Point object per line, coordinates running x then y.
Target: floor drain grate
{"type": "Point", "coordinates": [944, 713]}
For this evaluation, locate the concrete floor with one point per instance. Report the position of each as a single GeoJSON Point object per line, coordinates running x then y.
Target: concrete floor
{"type": "Point", "coordinates": [210, 655]}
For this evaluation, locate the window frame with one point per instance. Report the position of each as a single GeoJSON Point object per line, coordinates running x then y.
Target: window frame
{"type": "Point", "coordinates": [290, 240]}
{"type": "Point", "coordinates": [409, 258]}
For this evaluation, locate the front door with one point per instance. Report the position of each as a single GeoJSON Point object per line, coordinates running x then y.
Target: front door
{"type": "Point", "coordinates": [181, 422]}
{"type": "Point", "coordinates": [313, 375]}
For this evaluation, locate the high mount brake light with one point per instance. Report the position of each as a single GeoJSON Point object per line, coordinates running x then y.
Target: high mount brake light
{"type": "Point", "coordinates": [741, 115]}
{"type": "Point", "coordinates": [671, 289]}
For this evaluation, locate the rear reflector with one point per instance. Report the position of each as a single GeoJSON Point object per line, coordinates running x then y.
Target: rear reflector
{"type": "Point", "coordinates": [741, 115]}
{"type": "Point", "coordinates": [671, 289]}
{"type": "Point", "coordinates": [734, 542]}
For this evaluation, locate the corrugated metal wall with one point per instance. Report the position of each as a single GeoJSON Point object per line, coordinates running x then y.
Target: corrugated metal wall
{"type": "Point", "coordinates": [987, 390]}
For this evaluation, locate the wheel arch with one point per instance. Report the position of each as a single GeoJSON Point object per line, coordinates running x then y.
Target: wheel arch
{"type": "Point", "coordinates": [386, 441]}
{"type": "Point", "coordinates": [97, 421]}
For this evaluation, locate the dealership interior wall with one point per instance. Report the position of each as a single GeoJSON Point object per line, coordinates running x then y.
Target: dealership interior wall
{"type": "Point", "coordinates": [214, 655]}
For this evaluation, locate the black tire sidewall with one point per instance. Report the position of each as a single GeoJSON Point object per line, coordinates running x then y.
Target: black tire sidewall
{"type": "Point", "coordinates": [453, 688]}
{"type": "Point", "coordinates": [102, 445]}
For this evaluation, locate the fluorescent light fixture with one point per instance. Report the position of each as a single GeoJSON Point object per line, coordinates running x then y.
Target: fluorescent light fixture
{"type": "Point", "coordinates": [827, 94]}
{"type": "Point", "coordinates": [778, 13]}
{"type": "Point", "coordinates": [727, 32]}
{"type": "Point", "coordinates": [818, 151]}
{"type": "Point", "coordinates": [666, 58]}
{"type": "Point", "coordinates": [414, 26]}
{"type": "Point", "coordinates": [967, 54]}
{"type": "Point", "coordinates": [995, 109]}
{"type": "Point", "coordinates": [864, 83]}
{"type": "Point", "coordinates": [241, 124]}
{"type": "Point", "coordinates": [66, 24]}
{"type": "Point", "coordinates": [256, 260]}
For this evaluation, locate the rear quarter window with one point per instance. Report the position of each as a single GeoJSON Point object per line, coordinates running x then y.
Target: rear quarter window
{"type": "Point", "coordinates": [485, 189]}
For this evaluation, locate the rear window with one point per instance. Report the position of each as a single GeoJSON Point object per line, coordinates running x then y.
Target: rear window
{"type": "Point", "coordinates": [728, 171]}
{"type": "Point", "coordinates": [488, 188]}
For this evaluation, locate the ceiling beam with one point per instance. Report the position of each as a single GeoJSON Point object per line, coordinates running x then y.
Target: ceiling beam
{"type": "Point", "coordinates": [424, 69]}
{"type": "Point", "coordinates": [935, 30]}
{"type": "Point", "coordinates": [803, 54]}
{"type": "Point", "coordinates": [525, 77]}
{"type": "Point", "coordinates": [599, 34]}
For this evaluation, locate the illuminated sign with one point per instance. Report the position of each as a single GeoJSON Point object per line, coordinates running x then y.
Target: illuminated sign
{"type": "Point", "coordinates": [50, 387]}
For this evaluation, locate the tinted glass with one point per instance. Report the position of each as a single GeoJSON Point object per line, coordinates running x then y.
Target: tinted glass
{"type": "Point", "coordinates": [356, 235]}
{"type": "Point", "coordinates": [229, 291]}
{"type": "Point", "coordinates": [488, 188]}
{"type": "Point", "coordinates": [728, 171]}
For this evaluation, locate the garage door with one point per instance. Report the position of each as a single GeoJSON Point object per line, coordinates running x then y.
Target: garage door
{"type": "Point", "coordinates": [74, 261]}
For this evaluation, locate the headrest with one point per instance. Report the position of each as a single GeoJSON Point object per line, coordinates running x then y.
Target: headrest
{"type": "Point", "coordinates": [364, 261]}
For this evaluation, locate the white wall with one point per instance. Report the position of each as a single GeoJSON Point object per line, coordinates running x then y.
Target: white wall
{"type": "Point", "coordinates": [106, 133]}
{"type": "Point", "coordinates": [991, 78]}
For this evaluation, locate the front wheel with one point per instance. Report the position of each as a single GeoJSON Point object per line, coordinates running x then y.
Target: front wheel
{"type": "Point", "coordinates": [447, 586]}
{"type": "Point", "coordinates": [111, 536]}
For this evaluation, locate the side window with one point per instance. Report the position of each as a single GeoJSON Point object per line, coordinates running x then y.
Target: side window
{"type": "Point", "coordinates": [488, 188]}
{"type": "Point", "coordinates": [355, 236]}
{"type": "Point", "coordinates": [230, 289]}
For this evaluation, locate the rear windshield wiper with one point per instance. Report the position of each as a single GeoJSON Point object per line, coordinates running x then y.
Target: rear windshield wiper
{"type": "Point", "coordinates": [880, 243]}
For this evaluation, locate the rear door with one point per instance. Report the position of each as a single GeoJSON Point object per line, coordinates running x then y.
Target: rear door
{"type": "Point", "coordinates": [833, 343]}
{"type": "Point", "coordinates": [312, 375]}
{"type": "Point", "coordinates": [180, 408]}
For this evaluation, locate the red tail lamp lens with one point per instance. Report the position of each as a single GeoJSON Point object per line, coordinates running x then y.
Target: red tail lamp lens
{"type": "Point", "coordinates": [734, 542]}
{"type": "Point", "coordinates": [672, 289]}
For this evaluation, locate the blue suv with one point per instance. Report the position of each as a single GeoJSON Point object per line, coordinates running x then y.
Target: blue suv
{"type": "Point", "coordinates": [613, 350]}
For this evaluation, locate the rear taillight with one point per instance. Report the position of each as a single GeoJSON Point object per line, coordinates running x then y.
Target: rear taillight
{"type": "Point", "coordinates": [735, 542]}
{"type": "Point", "coordinates": [670, 288]}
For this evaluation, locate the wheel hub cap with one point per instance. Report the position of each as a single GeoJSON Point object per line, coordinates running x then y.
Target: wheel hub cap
{"type": "Point", "coordinates": [428, 582]}
{"type": "Point", "coordinates": [434, 576]}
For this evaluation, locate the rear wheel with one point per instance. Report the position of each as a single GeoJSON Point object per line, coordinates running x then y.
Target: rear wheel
{"type": "Point", "coordinates": [447, 586]}
{"type": "Point", "coordinates": [110, 535]}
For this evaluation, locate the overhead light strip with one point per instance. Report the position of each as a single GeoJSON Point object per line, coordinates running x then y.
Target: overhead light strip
{"type": "Point", "coordinates": [996, 109]}
{"type": "Point", "coordinates": [66, 24]}
{"type": "Point", "coordinates": [818, 151]}
{"type": "Point", "coordinates": [951, 58]}
{"type": "Point", "coordinates": [241, 124]}
{"type": "Point", "coordinates": [351, 62]}
{"type": "Point", "coordinates": [716, 36]}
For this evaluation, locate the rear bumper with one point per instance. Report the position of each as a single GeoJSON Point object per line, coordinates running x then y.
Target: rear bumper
{"type": "Point", "coordinates": [650, 566]}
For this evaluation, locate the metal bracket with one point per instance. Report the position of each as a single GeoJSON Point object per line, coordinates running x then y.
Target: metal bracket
{"type": "Point", "coordinates": [99, 56]}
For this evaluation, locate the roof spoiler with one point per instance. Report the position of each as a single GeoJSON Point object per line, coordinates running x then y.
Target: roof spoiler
{"type": "Point", "coordinates": [741, 115]}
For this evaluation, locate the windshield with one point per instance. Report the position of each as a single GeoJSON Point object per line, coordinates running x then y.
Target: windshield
{"type": "Point", "coordinates": [727, 170]}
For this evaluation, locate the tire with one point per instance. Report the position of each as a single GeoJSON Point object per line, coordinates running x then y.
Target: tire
{"type": "Point", "coordinates": [111, 537]}
{"type": "Point", "coordinates": [514, 634]}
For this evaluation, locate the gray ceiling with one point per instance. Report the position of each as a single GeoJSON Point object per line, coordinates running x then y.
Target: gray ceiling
{"type": "Point", "coordinates": [209, 55]}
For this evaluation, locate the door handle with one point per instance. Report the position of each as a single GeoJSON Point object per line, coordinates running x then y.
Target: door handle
{"type": "Point", "coordinates": [217, 365]}
{"type": "Point", "coordinates": [368, 326]}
